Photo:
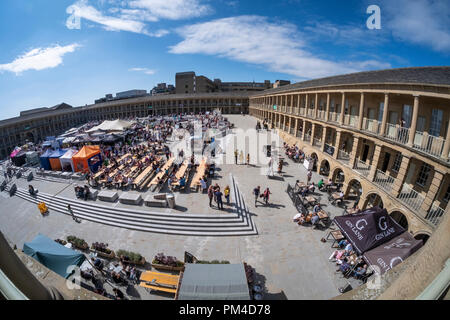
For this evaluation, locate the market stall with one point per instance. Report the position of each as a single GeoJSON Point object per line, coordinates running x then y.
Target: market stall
{"type": "Point", "coordinates": [44, 159]}
{"type": "Point", "coordinates": [87, 159]}
{"type": "Point", "coordinates": [66, 160]}
{"type": "Point", "coordinates": [55, 164]}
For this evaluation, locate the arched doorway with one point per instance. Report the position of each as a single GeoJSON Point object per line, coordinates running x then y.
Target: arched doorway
{"type": "Point", "coordinates": [422, 236]}
{"type": "Point", "coordinates": [314, 159]}
{"type": "Point", "coordinates": [354, 191]}
{"type": "Point", "coordinates": [373, 200]}
{"type": "Point", "coordinates": [324, 169]}
{"type": "Point", "coordinates": [400, 218]}
{"type": "Point", "coordinates": [338, 177]}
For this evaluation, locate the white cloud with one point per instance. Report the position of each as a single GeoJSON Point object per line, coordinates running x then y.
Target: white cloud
{"type": "Point", "coordinates": [128, 20]}
{"type": "Point", "coordinates": [423, 22]}
{"type": "Point", "coordinates": [144, 70]}
{"type": "Point", "coordinates": [81, 9]}
{"type": "Point", "coordinates": [132, 15]}
{"type": "Point", "coordinates": [39, 59]}
{"type": "Point", "coordinates": [279, 47]}
{"type": "Point", "coordinates": [172, 9]}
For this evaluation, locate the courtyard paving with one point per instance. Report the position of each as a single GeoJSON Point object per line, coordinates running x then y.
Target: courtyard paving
{"type": "Point", "coordinates": [290, 260]}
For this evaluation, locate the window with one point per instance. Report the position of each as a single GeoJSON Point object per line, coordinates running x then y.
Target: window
{"type": "Point", "coordinates": [447, 195]}
{"type": "Point", "coordinates": [436, 122]}
{"type": "Point", "coordinates": [423, 175]}
{"type": "Point", "coordinates": [397, 162]}
{"type": "Point", "coordinates": [380, 113]}
{"type": "Point", "coordinates": [407, 115]}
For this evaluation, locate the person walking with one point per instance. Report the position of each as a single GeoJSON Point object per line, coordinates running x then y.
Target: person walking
{"type": "Point", "coordinates": [210, 194]}
{"type": "Point", "coordinates": [241, 157]}
{"type": "Point", "coordinates": [256, 193]}
{"type": "Point", "coordinates": [235, 156]}
{"type": "Point", "coordinates": [227, 194]}
{"type": "Point", "coordinates": [270, 169]}
{"type": "Point", "coordinates": [248, 158]}
{"type": "Point", "coordinates": [266, 195]}
{"type": "Point", "coordinates": [309, 176]}
{"type": "Point", "coordinates": [69, 208]}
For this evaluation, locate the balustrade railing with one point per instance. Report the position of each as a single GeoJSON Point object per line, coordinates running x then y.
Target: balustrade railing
{"type": "Point", "coordinates": [372, 125]}
{"type": "Point", "coordinates": [435, 214]}
{"type": "Point", "coordinates": [384, 180]}
{"type": "Point", "coordinates": [333, 117]}
{"type": "Point", "coordinates": [397, 133]}
{"type": "Point", "coordinates": [411, 198]}
{"type": "Point", "coordinates": [362, 167]}
{"type": "Point", "coordinates": [428, 143]}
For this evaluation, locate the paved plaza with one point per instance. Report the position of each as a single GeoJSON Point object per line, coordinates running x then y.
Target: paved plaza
{"type": "Point", "coordinates": [290, 260]}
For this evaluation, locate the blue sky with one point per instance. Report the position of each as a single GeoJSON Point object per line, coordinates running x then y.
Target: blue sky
{"type": "Point", "coordinates": [76, 51]}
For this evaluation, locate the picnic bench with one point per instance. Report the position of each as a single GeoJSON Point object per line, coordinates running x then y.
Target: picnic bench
{"type": "Point", "coordinates": [161, 175]}
{"type": "Point", "coordinates": [160, 281]}
{"type": "Point", "coordinates": [195, 183]}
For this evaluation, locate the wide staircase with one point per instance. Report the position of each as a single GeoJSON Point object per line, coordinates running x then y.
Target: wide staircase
{"type": "Point", "coordinates": [238, 223]}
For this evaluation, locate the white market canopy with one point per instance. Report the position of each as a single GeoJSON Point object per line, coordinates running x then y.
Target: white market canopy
{"type": "Point", "coordinates": [66, 158]}
{"type": "Point", "coordinates": [115, 125]}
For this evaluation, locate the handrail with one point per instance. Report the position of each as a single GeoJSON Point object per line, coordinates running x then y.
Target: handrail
{"type": "Point", "coordinates": [438, 286]}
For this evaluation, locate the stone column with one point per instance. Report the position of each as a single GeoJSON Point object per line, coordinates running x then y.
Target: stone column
{"type": "Point", "coordinates": [375, 160]}
{"type": "Point", "coordinates": [324, 136]}
{"type": "Point", "coordinates": [361, 111]}
{"type": "Point", "coordinates": [353, 155]}
{"type": "Point", "coordinates": [385, 114]}
{"type": "Point", "coordinates": [433, 190]}
{"type": "Point", "coordinates": [304, 130]}
{"type": "Point", "coordinates": [412, 130]}
{"type": "Point", "coordinates": [306, 104]}
{"type": "Point", "coordinates": [296, 127]}
{"type": "Point", "coordinates": [313, 132]}
{"type": "Point", "coordinates": [446, 148]}
{"type": "Point", "coordinates": [338, 143]}
{"type": "Point", "coordinates": [341, 118]}
{"type": "Point", "coordinates": [316, 105]}
{"type": "Point", "coordinates": [328, 107]}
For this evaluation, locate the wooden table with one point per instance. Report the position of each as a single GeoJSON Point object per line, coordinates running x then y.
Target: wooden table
{"type": "Point", "coordinates": [310, 199]}
{"type": "Point", "coordinates": [180, 173]}
{"type": "Point", "coordinates": [159, 281]}
{"type": "Point", "coordinates": [337, 235]}
{"type": "Point", "coordinates": [161, 174]}
{"type": "Point", "coordinates": [352, 211]}
{"type": "Point", "coordinates": [322, 214]}
{"type": "Point", "coordinates": [200, 173]}
{"type": "Point", "coordinates": [300, 185]}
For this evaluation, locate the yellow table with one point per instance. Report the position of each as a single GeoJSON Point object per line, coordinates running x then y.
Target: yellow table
{"type": "Point", "coordinates": [160, 281]}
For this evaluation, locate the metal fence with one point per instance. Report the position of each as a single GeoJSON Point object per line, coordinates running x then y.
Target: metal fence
{"type": "Point", "coordinates": [429, 144]}
{"type": "Point", "coordinates": [411, 198]}
{"type": "Point", "coordinates": [384, 180]}
{"type": "Point", "coordinates": [435, 214]}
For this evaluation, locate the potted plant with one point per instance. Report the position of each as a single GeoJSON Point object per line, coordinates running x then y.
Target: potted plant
{"type": "Point", "coordinates": [167, 263]}
{"type": "Point", "coordinates": [133, 257]}
{"type": "Point", "coordinates": [61, 242]}
{"type": "Point", "coordinates": [102, 250]}
{"type": "Point", "coordinates": [78, 243]}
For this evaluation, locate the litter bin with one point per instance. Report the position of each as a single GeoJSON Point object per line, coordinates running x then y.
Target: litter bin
{"type": "Point", "coordinates": [170, 198]}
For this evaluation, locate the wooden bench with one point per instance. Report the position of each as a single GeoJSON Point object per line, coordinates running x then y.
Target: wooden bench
{"type": "Point", "coordinates": [159, 281]}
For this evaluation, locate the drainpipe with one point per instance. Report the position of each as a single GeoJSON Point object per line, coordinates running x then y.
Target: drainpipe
{"type": "Point", "coordinates": [437, 288]}
{"type": "Point", "coordinates": [17, 282]}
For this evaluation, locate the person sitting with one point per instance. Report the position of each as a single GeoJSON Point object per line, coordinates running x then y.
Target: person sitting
{"type": "Point", "coordinates": [297, 217]}
{"type": "Point", "coordinates": [320, 184]}
{"type": "Point", "coordinates": [31, 190]}
{"type": "Point", "coordinates": [305, 219]}
{"type": "Point", "coordinates": [344, 267]}
{"type": "Point", "coordinates": [315, 219]}
{"type": "Point", "coordinates": [86, 193]}
{"type": "Point", "coordinates": [98, 264]}
{"type": "Point", "coordinates": [337, 256]}
{"type": "Point", "coordinates": [360, 271]}
{"type": "Point", "coordinates": [342, 243]}
{"type": "Point", "coordinates": [182, 182]}
{"type": "Point", "coordinates": [118, 294]}
{"type": "Point", "coordinates": [304, 192]}
{"type": "Point", "coordinates": [317, 208]}
{"type": "Point", "coordinates": [312, 188]}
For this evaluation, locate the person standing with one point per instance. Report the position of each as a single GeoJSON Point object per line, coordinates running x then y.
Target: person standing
{"type": "Point", "coordinates": [210, 194]}
{"type": "Point", "coordinates": [256, 193]}
{"type": "Point", "coordinates": [227, 194]}
{"type": "Point", "coordinates": [309, 176]}
{"type": "Point", "coordinates": [235, 156]}
{"type": "Point", "coordinates": [248, 158]}
{"type": "Point", "coordinates": [219, 201]}
{"type": "Point", "coordinates": [266, 195]}
{"type": "Point", "coordinates": [270, 171]}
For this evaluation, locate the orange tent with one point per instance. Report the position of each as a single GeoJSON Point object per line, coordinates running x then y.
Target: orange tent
{"type": "Point", "coordinates": [88, 158]}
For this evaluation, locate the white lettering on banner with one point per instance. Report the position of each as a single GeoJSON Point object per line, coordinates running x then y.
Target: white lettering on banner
{"type": "Point", "coordinates": [358, 224]}
{"type": "Point", "coordinates": [355, 230]}
{"type": "Point", "coordinates": [384, 234]}
{"type": "Point", "coordinates": [393, 260]}
{"type": "Point", "coordinates": [384, 225]}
